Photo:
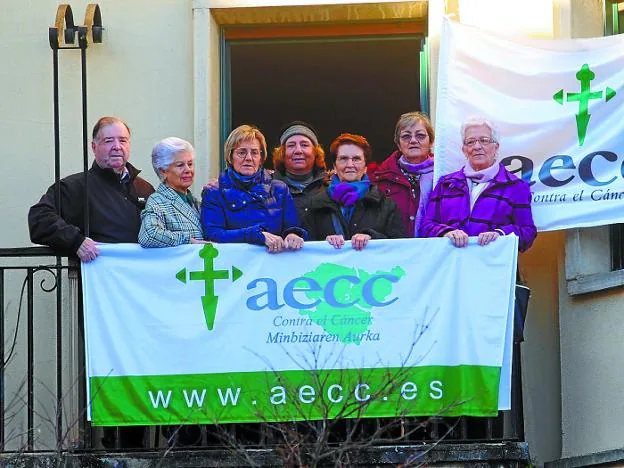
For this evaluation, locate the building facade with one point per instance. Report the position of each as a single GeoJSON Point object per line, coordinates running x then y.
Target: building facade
{"type": "Point", "coordinates": [178, 68]}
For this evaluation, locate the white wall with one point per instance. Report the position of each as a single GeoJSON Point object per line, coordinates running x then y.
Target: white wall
{"type": "Point", "coordinates": [141, 73]}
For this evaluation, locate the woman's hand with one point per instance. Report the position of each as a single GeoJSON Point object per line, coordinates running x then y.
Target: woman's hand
{"type": "Point", "coordinates": [198, 241]}
{"type": "Point", "coordinates": [359, 241]}
{"type": "Point", "coordinates": [486, 237]}
{"type": "Point", "coordinates": [293, 242]}
{"type": "Point", "coordinates": [274, 244]}
{"type": "Point", "coordinates": [336, 240]}
{"type": "Point", "coordinates": [458, 237]}
{"type": "Point", "coordinates": [211, 184]}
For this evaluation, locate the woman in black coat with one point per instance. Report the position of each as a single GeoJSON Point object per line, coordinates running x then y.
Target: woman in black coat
{"type": "Point", "coordinates": [351, 207]}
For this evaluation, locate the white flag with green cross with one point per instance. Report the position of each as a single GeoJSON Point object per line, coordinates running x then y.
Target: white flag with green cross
{"type": "Point", "coordinates": [558, 105]}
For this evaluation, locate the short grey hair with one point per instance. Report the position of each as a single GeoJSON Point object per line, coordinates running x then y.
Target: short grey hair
{"type": "Point", "coordinates": [165, 150]}
{"type": "Point", "coordinates": [478, 121]}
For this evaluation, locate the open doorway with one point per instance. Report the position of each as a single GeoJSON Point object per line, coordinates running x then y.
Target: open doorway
{"type": "Point", "coordinates": [338, 84]}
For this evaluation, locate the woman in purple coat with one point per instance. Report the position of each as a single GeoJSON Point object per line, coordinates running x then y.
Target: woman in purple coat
{"type": "Point", "coordinates": [483, 198]}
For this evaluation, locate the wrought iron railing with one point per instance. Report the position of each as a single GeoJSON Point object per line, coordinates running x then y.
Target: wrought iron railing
{"type": "Point", "coordinates": [42, 384]}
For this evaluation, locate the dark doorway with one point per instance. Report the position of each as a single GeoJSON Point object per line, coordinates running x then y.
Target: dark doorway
{"type": "Point", "coordinates": [357, 85]}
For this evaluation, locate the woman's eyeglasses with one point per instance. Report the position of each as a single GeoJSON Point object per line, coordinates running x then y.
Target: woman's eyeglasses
{"type": "Point", "coordinates": [242, 153]}
{"type": "Point", "coordinates": [483, 140]}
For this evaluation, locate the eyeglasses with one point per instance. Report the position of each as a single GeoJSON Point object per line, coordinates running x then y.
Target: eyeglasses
{"type": "Point", "coordinates": [483, 140]}
{"type": "Point", "coordinates": [354, 159]}
{"type": "Point", "coordinates": [407, 137]}
{"type": "Point", "coordinates": [242, 153]}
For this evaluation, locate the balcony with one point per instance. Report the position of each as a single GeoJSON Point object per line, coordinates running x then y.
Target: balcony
{"type": "Point", "coordinates": [42, 400]}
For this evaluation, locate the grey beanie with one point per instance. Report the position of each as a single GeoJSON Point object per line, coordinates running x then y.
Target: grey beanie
{"type": "Point", "coordinates": [298, 128]}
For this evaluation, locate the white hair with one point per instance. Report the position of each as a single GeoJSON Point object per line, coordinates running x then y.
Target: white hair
{"type": "Point", "coordinates": [477, 121]}
{"type": "Point", "coordinates": [165, 150]}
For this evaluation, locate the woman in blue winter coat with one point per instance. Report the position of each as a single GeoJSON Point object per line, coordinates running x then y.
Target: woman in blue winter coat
{"type": "Point", "coordinates": [248, 205]}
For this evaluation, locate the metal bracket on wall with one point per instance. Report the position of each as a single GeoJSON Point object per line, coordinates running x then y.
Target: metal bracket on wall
{"type": "Point", "coordinates": [62, 36]}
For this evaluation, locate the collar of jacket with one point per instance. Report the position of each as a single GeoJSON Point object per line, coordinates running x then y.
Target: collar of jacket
{"type": "Point", "coordinates": [226, 182]}
{"type": "Point", "coordinates": [171, 194]}
{"type": "Point", "coordinates": [111, 175]}
{"type": "Point", "coordinates": [390, 170]}
{"type": "Point", "coordinates": [190, 211]}
{"type": "Point", "coordinates": [237, 197]}
{"type": "Point", "coordinates": [458, 180]}
{"type": "Point", "coordinates": [318, 177]}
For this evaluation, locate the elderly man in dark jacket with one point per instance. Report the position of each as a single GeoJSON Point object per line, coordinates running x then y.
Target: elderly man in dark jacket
{"type": "Point", "coordinates": [116, 196]}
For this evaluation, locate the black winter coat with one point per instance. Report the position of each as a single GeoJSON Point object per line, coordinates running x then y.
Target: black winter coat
{"type": "Point", "coordinates": [302, 198]}
{"type": "Point", "coordinates": [374, 215]}
{"type": "Point", "coordinates": [114, 210]}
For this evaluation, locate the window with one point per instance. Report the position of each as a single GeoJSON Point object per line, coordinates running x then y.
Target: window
{"type": "Point", "coordinates": [614, 17]}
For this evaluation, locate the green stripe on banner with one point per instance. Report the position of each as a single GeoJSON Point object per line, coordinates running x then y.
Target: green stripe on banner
{"type": "Point", "coordinates": [295, 395]}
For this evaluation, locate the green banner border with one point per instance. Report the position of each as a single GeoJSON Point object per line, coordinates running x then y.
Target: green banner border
{"type": "Point", "coordinates": [463, 390]}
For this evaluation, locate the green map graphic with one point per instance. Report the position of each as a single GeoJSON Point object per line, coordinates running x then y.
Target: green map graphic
{"type": "Point", "coordinates": [347, 323]}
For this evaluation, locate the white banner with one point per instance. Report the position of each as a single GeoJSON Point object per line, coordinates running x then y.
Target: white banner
{"type": "Point", "coordinates": [558, 104]}
{"type": "Point", "coordinates": [199, 334]}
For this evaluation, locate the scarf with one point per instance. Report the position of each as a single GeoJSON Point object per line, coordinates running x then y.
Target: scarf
{"type": "Point", "coordinates": [300, 182]}
{"type": "Point", "coordinates": [484, 175]}
{"type": "Point", "coordinates": [479, 180]}
{"type": "Point", "coordinates": [419, 176]}
{"type": "Point", "coordinates": [346, 194]}
{"type": "Point", "coordinates": [244, 181]}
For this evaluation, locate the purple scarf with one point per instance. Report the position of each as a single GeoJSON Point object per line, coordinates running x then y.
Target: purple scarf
{"type": "Point", "coordinates": [484, 175]}
{"type": "Point", "coordinates": [424, 171]}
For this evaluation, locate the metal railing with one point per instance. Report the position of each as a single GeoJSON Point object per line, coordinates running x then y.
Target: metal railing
{"type": "Point", "coordinates": [42, 384]}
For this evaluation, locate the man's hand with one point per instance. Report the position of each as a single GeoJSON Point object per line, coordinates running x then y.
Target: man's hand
{"type": "Point", "coordinates": [359, 241]}
{"type": "Point", "coordinates": [273, 243]}
{"type": "Point", "coordinates": [293, 242]}
{"type": "Point", "coordinates": [88, 250]}
{"type": "Point", "coordinates": [458, 237]}
{"type": "Point", "coordinates": [336, 240]}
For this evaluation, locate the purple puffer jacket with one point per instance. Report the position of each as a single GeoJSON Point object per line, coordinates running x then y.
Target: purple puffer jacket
{"type": "Point", "coordinates": [505, 204]}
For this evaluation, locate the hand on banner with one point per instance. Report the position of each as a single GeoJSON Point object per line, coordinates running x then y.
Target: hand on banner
{"type": "Point", "coordinates": [486, 237]}
{"type": "Point", "coordinates": [88, 250]}
{"type": "Point", "coordinates": [359, 241]}
{"type": "Point", "coordinates": [274, 244]}
{"type": "Point", "coordinates": [197, 241]}
{"type": "Point", "coordinates": [458, 237]}
{"type": "Point", "coordinates": [293, 242]}
{"type": "Point", "coordinates": [336, 240]}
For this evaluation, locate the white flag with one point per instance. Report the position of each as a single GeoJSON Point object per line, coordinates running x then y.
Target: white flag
{"type": "Point", "coordinates": [558, 105]}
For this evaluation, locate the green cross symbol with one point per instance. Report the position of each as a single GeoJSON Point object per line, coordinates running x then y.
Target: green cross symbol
{"type": "Point", "coordinates": [208, 275]}
{"type": "Point", "coordinates": [584, 75]}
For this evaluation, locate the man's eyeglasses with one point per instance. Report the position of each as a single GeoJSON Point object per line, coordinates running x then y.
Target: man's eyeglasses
{"type": "Point", "coordinates": [242, 153]}
{"type": "Point", "coordinates": [483, 140]}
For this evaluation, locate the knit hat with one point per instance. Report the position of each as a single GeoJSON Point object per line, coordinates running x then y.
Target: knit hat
{"type": "Point", "coordinates": [298, 128]}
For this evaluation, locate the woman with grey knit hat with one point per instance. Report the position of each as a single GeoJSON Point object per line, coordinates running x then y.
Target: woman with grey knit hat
{"type": "Point", "coordinates": [299, 161]}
